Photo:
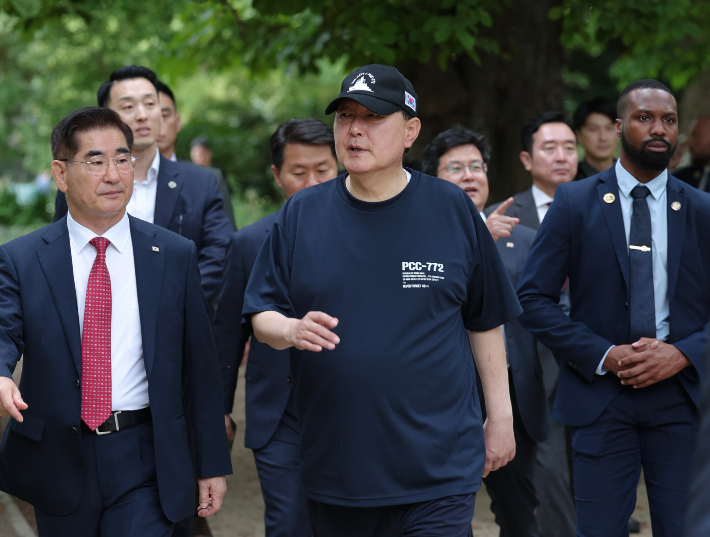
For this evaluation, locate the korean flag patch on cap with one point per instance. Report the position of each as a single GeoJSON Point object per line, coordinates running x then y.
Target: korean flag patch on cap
{"type": "Point", "coordinates": [410, 101]}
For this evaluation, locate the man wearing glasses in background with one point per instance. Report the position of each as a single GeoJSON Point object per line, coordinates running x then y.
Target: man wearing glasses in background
{"type": "Point", "coordinates": [461, 157]}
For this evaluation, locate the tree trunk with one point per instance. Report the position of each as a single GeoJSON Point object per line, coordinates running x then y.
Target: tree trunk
{"type": "Point", "coordinates": [498, 96]}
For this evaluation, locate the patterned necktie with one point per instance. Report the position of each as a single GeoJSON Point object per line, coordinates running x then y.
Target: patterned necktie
{"type": "Point", "coordinates": [642, 307]}
{"type": "Point", "coordinates": [96, 341]}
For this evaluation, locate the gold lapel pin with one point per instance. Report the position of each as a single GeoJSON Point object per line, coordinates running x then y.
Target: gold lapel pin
{"type": "Point", "coordinates": [675, 206]}
{"type": "Point", "coordinates": [172, 184]}
{"type": "Point", "coordinates": [609, 197]}
{"type": "Point", "coordinates": [156, 249]}
{"type": "Point", "coordinates": [509, 245]}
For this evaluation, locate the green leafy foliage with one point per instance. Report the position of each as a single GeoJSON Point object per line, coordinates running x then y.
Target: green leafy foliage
{"type": "Point", "coordinates": [661, 39]}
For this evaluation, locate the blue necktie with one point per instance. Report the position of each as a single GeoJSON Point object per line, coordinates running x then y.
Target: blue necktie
{"type": "Point", "coordinates": [642, 306]}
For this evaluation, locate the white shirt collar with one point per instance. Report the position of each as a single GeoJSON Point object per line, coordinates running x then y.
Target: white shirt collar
{"type": "Point", "coordinates": [174, 157]}
{"type": "Point", "coordinates": [152, 171]}
{"type": "Point", "coordinates": [483, 215]}
{"type": "Point", "coordinates": [541, 198]}
{"type": "Point", "coordinates": [118, 234]}
{"type": "Point", "coordinates": [628, 182]}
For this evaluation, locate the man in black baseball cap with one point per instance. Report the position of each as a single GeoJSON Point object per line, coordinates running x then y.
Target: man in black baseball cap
{"type": "Point", "coordinates": [382, 282]}
{"type": "Point", "coordinates": [379, 88]}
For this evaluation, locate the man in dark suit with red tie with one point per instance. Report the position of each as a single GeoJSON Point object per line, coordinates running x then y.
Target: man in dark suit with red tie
{"type": "Point", "coordinates": [108, 313]}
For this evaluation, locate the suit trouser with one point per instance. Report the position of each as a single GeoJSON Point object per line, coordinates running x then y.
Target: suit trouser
{"type": "Point", "coordinates": [653, 428]}
{"type": "Point", "coordinates": [553, 483]}
{"type": "Point", "coordinates": [443, 517]}
{"type": "Point", "coordinates": [512, 487]}
{"type": "Point", "coordinates": [278, 466]}
{"type": "Point", "coordinates": [120, 497]}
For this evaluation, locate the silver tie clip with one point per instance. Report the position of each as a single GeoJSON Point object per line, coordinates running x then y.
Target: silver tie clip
{"type": "Point", "coordinates": [642, 248]}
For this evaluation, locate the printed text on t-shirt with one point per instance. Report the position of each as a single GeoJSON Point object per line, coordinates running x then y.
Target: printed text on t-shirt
{"type": "Point", "coordinates": [415, 273]}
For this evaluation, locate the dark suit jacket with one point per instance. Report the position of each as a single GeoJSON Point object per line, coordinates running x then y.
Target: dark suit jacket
{"type": "Point", "coordinates": [223, 189]}
{"type": "Point", "coordinates": [583, 238]}
{"type": "Point", "coordinates": [523, 207]}
{"type": "Point", "coordinates": [41, 459]}
{"type": "Point", "coordinates": [268, 372]}
{"type": "Point", "coordinates": [193, 209]}
{"type": "Point", "coordinates": [698, 517]}
{"type": "Point", "coordinates": [690, 175]}
{"type": "Point", "coordinates": [521, 346]}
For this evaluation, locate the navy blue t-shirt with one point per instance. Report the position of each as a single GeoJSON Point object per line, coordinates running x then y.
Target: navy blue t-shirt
{"type": "Point", "coordinates": [389, 416]}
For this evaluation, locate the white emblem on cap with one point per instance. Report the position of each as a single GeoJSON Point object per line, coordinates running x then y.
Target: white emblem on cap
{"type": "Point", "coordinates": [360, 83]}
{"type": "Point", "coordinates": [410, 101]}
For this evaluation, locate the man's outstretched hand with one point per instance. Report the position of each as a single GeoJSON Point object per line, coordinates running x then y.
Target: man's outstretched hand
{"type": "Point", "coordinates": [212, 491]}
{"type": "Point", "coordinates": [500, 225]}
{"type": "Point", "coordinates": [313, 332]}
{"type": "Point", "coordinates": [10, 399]}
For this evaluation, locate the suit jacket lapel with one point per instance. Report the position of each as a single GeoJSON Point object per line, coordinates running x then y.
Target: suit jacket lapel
{"type": "Point", "coordinates": [149, 265]}
{"type": "Point", "coordinates": [55, 260]}
{"type": "Point", "coordinates": [676, 230]}
{"type": "Point", "coordinates": [614, 219]}
{"type": "Point", "coordinates": [166, 197]}
{"type": "Point", "coordinates": [526, 210]}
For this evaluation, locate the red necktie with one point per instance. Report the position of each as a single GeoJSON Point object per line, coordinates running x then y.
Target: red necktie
{"type": "Point", "coordinates": [96, 341]}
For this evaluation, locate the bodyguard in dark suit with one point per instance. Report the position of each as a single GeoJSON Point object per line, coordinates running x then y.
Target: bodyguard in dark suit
{"type": "Point", "coordinates": [633, 242]}
{"type": "Point", "coordinates": [170, 126]}
{"type": "Point", "coordinates": [698, 173]}
{"type": "Point", "coordinates": [550, 155]}
{"type": "Point", "coordinates": [177, 196]}
{"type": "Point", "coordinates": [302, 153]}
{"type": "Point", "coordinates": [108, 313]}
{"type": "Point", "coordinates": [461, 156]}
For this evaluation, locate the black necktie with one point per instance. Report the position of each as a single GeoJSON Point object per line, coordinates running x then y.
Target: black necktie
{"type": "Point", "coordinates": [642, 306]}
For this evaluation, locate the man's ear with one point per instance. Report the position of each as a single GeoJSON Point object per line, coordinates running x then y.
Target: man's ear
{"type": "Point", "coordinates": [179, 122]}
{"type": "Point", "coordinates": [414, 125]}
{"type": "Point", "coordinates": [59, 172]}
{"type": "Point", "coordinates": [526, 159]}
{"type": "Point", "coordinates": [618, 127]}
{"type": "Point", "coordinates": [277, 176]}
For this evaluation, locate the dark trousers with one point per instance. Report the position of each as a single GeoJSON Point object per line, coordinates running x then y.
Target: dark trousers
{"type": "Point", "coordinates": [120, 497]}
{"type": "Point", "coordinates": [653, 428]}
{"type": "Point", "coordinates": [512, 487]}
{"type": "Point", "coordinates": [277, 463]}
{"type": "Point", "coordinates": [444, 517]}
{"type": "Point", "coordinates": [556, 515]}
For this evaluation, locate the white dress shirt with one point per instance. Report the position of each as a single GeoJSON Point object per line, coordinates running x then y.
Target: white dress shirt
{"type": "Point", "coordinates": [174, 157]}
{"type": "Point", "coordinates": [142, 202]}
{"type": "Point", "coordinates": [129, 383]}
{"type": "Point", "coordinates": [658, 207]}
{"type": "Point", "coordinates": [542, 202]}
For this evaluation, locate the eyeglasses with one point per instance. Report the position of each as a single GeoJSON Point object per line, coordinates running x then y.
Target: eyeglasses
{"type": "Point", "coordinates": [458, 170]}
{"type": "Point", "coordinates": [98, 165]}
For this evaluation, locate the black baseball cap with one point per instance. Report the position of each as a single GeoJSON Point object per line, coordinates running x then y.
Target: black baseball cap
{"type": "Point", "coordinates": [379, 88]}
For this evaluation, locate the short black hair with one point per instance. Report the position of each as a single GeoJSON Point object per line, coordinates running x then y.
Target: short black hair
{"type": "Point", "coordinates": [299, 131]}
{"type": "Point", "coordinates": [162, 87]}
{"type": "Point", "coordinates": [64, 140]}
{"type": "Point", "coordinates": [599, 105]}
{"type": "Point", "coordinates": [648, 83]}
{"type": "Point", "coordinates": [125, 73]}
{"type": "Point", "coordinates": [201, 140]}
{"type": "Point", "coordinates": [444, 141]}
{"type": "Point", "coordinates": [532, 126]}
